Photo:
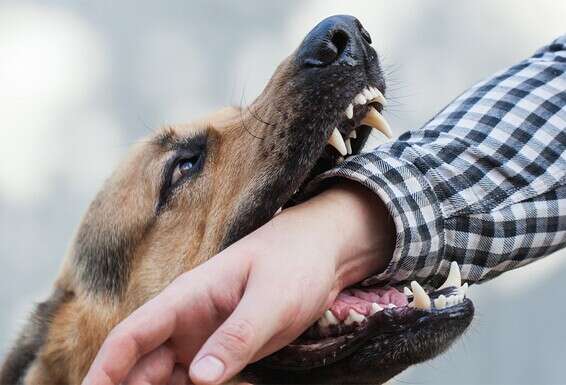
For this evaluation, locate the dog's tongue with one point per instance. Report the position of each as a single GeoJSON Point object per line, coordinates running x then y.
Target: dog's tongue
{"type": "Point", "coordinates": [361, 301]}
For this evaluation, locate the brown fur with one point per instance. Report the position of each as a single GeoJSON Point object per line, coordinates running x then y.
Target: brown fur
{"type": "Point", "coordinates": [116, 261]}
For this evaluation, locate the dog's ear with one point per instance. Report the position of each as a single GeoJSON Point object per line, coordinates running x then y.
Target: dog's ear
{"type": "Point", "coordinates": [114, 225]}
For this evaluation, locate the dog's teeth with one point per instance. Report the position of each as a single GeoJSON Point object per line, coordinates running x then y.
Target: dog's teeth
{"type": "Point", "coordinates": [337, 142]}
{"type": "Point", "coordinates": [323, 322]}
{"type": "Point", "coordinates": [348, 146]}
{"type": "Point", "coordinates": [378, 97]}
{"type": "Point", "coordinates": [350, 111]}
{"type": "Point", "coordinates": [353, 134]}
{"type": "Point", "coordinates": [407, 291]}
{"type": "Point", "coordinates": [463, 289]}
{"type": "Point", "coordinates": [454, 277]}
{"type": "Point", "coordinates": [460, 298]}
{"type": "Point", "coordinates": [375, 308]}
{"type": "Point", "coordinates": [374, 119]}
{"type": "Point", "coordinates": [421, 298]}
{"type": "Point", "coordinates": [451, 300]}
{"type": "Point", "coordinates": [360, 99]}
{"type": "Point", "coordinates": [330, 318]}
{"type": "Point", "coordinates": [367, 93]}
{"type": "Point", "coordinates": [354, 316]}
{"type": "Point", "coordinates": [391, 306]}
{"type": "Point", "coordinates": [440, 302]}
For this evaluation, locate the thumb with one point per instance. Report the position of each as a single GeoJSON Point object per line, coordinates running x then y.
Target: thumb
{"type": "Point", "coordinates": [235, 343]}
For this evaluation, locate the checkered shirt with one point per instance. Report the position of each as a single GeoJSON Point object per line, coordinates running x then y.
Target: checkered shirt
{"type": "Point", "coordinates": [483, 183]}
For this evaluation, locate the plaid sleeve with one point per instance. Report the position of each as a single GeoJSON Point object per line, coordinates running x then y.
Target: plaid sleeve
{"type": "Point", "coordinates": [483, 183]}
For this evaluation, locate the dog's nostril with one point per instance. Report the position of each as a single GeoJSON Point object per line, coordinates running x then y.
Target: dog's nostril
{"type": "Point", "coordinates": [340, 40]}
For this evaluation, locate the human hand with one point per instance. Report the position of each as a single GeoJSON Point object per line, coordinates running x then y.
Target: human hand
{"type": "Point", "coordinates": [254, 297]}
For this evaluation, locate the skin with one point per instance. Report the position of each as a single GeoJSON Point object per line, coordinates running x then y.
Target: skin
{"type": "Point", "coordinates": [254, 297]}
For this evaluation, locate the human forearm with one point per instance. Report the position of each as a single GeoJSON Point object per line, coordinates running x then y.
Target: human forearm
{"type": "Point", "coordinates": [467, 185]}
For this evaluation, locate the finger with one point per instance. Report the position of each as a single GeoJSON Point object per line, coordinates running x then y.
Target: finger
{"type": "Point", "coordinates": [137, 335]}
{"type": "Point", "coordinates": [254, 322]}
{"type": "Point", "coordinates": [154, 368]}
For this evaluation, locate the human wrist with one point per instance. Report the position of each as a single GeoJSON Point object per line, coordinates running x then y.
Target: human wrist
{"type": "Point", "coordinates": [363, 231]}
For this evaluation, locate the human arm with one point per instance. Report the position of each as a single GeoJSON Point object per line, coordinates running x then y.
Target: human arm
{"type": "Point", "coordinates": [482, 183]}
{"type": "Point", "coordinates": [267, 288]}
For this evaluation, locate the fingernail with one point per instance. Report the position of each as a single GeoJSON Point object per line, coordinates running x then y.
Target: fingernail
{"type": "Point", "coordinates": [208, 369]}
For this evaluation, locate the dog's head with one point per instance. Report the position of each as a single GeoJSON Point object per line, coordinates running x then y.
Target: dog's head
{"type": "Point", "coordinates": [191, 190]}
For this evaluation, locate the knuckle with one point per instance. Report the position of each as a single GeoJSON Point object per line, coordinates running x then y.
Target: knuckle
{"type": "Point", "coordinates": [237, 338]}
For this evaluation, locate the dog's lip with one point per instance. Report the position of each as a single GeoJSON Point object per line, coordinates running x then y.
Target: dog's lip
{"type": "Point", "coordinates": [353, 127]}
{"type": "Point", "coordinates": [363, 110]}
{"type": "Point", "coordinates": [305, 354]}
{"type": "Point", "coordinates": [340, 332]}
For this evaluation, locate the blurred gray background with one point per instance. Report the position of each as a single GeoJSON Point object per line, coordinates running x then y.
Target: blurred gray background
{"type": "Point", "coordinates": [81, 81]}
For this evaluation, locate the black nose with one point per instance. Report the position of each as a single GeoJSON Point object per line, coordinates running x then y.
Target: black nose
{"type": "Point", "coordinates": [339, 39]}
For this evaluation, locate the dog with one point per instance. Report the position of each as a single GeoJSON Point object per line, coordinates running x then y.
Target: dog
{"type": "Point", "coordinates": [190, 190]}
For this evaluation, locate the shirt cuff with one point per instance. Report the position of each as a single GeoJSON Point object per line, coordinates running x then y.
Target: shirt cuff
{"type": "Point", "coordinates": [414, 207]}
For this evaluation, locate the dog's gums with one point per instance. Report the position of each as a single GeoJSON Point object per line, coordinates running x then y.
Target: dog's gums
{"type": "Point", "coordinates": [191, 190]}
{"type": "Point", "coordinates": [370, 315]}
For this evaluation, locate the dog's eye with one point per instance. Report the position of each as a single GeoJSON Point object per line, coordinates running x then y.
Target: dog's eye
{"type": "Point", "coordinates": [183, 169]}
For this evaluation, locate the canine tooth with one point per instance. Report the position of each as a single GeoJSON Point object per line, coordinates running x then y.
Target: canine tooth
{"type": "Point", "coordinates": [376, 120]}
{"type": "Point", "coordinates": [407, 291]}
{"type": "Point", "coordinates": [463, 289]}
{"type": "Point", "coordinates": [337, 142]}
{"type": "Point", "coordinates": [421, 298]}
{"type": "Point", "coordinates": [375, 308]}
{"type": "Point", "coordinates": [440, 302]}
{"type": "Point", "coordinates": [378, 97]}
{"type": "Point", "coordinates": [350, 111]}
{"type": "Point", "coordinates": [360, 99]}
{"type": "Point", "coordinates": [391, 306]}
{"type": "Point", "coordinates": [454, 278]}
{"type": "Point", "coordinates": [330, 318]}
{"type": "Point", "coordinates": [348, 146]}
{"type": "Point", "coordinates": [353, 134]}
{"type": "Point", "coordinates": [367, 93]}
{"type": "Point", "coordinates": [460, 298]}
{"type": "Point", "coordinates": [354, 316]}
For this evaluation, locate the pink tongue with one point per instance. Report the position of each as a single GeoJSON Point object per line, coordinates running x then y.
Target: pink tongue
{"type": "Point", "coordinates": [360, 300]}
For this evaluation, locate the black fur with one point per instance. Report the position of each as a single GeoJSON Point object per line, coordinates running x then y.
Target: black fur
{"type": "Point", "coordinates": [31, 339]}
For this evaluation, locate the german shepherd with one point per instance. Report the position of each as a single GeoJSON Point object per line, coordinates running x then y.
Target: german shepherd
{"type": "Point", "coordinates": [191, 190]}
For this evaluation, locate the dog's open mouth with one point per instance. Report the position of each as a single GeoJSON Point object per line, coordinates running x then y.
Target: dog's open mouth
{"type": "Point", "coordinates": [361, 117]}
{"type": "Point", "coordinates": [361, 313]}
